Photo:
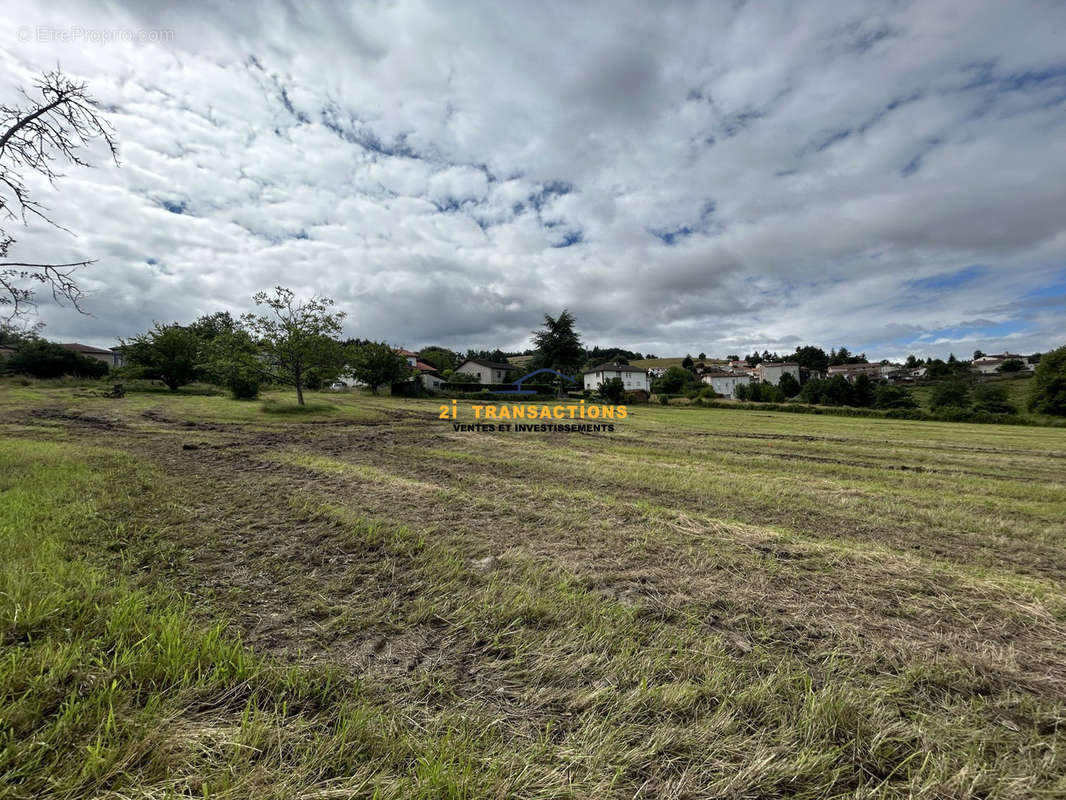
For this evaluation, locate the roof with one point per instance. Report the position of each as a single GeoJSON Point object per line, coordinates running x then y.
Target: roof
{"type": "Point", "coordinates": [614, 366]}
{"type": "Point", "coordinates": [422, 366]}
{"type": "Point", "coordinates": [777, 364]}
{"type": "Point", "coordinates": [405, 353]}
{"type": "Point", "coordinates": [485, 363]}
{"type": "Point", "coordinates": [719, 374]}
{"type": "Point", "coordinates": [85, 348]}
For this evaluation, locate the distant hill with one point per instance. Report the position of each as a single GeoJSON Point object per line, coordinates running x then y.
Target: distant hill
{"type": "Point", "coordinates": [645, 363]}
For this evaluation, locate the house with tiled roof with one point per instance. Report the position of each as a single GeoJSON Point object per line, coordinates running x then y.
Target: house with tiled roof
{"type": "Point", "coordinates": [427, 374]}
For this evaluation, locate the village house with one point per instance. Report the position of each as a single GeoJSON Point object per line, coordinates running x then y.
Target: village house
{"type": "Point", "coordinates": [726, 383]}
{"type": "Point", "coordinates": [487, 372]}
{"type": "Point", "coordinates": [769, 372]}
{"type": "Point", "coordinates": [989, 365]}
{"type": "Point", "coordinates": [633, 378]}
{"type": "Point", "coordinates": [851, 371]}
{"type": "Point", "coordinates": [426, 374]}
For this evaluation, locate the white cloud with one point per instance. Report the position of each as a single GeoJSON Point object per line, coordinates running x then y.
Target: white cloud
{"type": "Point", "coordinates": [727, 178]}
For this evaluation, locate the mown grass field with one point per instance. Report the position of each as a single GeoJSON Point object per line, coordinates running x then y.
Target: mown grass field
{"type": "Point", "coordinates": [203, 598]}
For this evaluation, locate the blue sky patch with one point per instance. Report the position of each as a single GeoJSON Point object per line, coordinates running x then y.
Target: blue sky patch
{"type": "Point", "coordinates": [948, 280]}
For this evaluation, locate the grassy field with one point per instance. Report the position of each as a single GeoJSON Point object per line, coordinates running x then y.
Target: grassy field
{"type": "Point", "coordinates": [207, 598]}
{"type": "Point", "coordinates": [647, 363]}
{"type": "Point", "coordinates": [1017, 387]}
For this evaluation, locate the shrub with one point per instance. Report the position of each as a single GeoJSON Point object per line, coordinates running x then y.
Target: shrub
{"type": "Point", "coordinates": [612, 390]}
{"type": "Point", "coordinates": [992, 398]}
{"type": "Point", "coordinates": [950, 395]}
{"type": "Point", "coordinates": [862, 391]}
{"type": "Point", "coordinates": [789, 385]}
{"type": "Point", "coordinates": [887, 396]}
{"type": "Point", "coordinates": [243, 386]}
{"type": "Point", "coordinates": [1011, 365]}
{"type": "Point", "coordinates": [43, 359]}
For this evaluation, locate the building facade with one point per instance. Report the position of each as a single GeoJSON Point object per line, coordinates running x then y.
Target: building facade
{"type": "Point", "coordinates": [486, 372]}
{"type": "Point", "coordinates": [726, 383]}
{"type": "Point", "coordinates": [633, 378]}
{"type": "Point", "coordinates": [768, 372]}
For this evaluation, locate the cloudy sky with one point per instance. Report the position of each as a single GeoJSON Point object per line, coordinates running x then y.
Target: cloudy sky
{"type": "Point", "coordinates": [687, 176]}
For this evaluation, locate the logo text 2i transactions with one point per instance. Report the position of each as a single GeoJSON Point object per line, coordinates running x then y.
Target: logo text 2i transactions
{"type": "Point", "coordinates": [507, 411]}
{"type": "Point", "coordinates": [580, 417]}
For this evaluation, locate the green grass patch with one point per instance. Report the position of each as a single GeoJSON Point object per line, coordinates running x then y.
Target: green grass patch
{"type": "Point", "coordinates": [273, 405]}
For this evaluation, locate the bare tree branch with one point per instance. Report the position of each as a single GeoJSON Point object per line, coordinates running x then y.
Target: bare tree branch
{"type": "Point", "coordinates": [51, 130]}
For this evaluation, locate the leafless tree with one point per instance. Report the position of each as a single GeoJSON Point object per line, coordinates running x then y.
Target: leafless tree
{"type": "Point", "coordinates": [59, 119]}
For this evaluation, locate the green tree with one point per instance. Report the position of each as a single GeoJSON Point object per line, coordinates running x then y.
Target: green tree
{"type": "Point", "coordinates": [43, 359]}
{"type": "Point", "coordinates": [687, 362]}
{"type": "Point", "coordinates": [888, 396]}
{"type": "Point", "coordinates": [558, 344]}
{"type": "Point", "coordinates": [732, 357]}
{"type": "Point", "coordinates": [674, 381]}
{"type": "Point", "coordinates": [767, 393]}
{"type": "Point", "coordinates": [440, 357]}
{"type": "Point", "coordinates": [936, 369]}
{"type": "Point", "coordinates": [788, 385]}
{"type": "Point", "coordinates": [838, 392]}
{"type": "Point", "coordinates": [15, 336]}
{"type": "Point", "coordinates": [167, 353]}
{"type": "Point", "coordinates": [811, 357]}
{"type": "Point", "coordinates": [210, 326]}
{"type": "Point", "coordinates": [702, 356]}
{"type": "Point", "coordinates": [297, 338]}
{"type": "Point", "coordinates": [1047, 394]}
{"type": "Point", "coordinates": [813, 391]}
{"type": "Point", "coordinates": [231, 359]}
{"type": "Point", "coordinates": [375, 364]}
{"type": "Point", "coordinates": [1011, 365]}
{"type": "Point", "coordinates": [862, 391]}
{"type": "Point", "coordinates": [612, 390]}
{"type": "Point", "coordinates": [992, 397]}
{"type": "Point", "coordinates": [953, 394]}
{"type": "Point", "coordinates": [978, 354]}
